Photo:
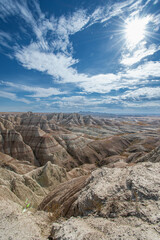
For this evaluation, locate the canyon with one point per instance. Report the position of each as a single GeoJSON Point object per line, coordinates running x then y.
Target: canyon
{"type": "Point", "coordinates": [83, 176]}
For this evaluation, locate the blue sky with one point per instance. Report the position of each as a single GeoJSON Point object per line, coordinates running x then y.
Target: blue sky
{"type": "Point", "coordinates": [80, 55]}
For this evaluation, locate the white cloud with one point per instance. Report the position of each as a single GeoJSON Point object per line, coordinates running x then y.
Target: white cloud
{"type": "Point", "coordinates": [61, 28]}
{"type": "Point", "coordinates": [39, 92]}
{"type": "Point", "coordinates": [13, 97]}
{"type": "Point", "coordinates": [56, 65]}
{"type": "Point", "coordinates": [143, 93]}
{"type": "Point", "coordinates": [60, 67]}
{"type": "Point", "coordinates": [4, 39]}
{"type": "Point", "coordinates": [156, 21]}
{"type": "Point", "coordinates": [76, 102]}
{"type": "Point", "coordinates": [156, 1]}
{"type": "Point", "coordinates": [142, 105]}
{"type": "Point", "coordinates": [139, 54]}
{"type": "Point", "coordinates": [102, 83]}
{"type": "Point", "coordinates": [52, 36]}
{"type": "Point", "coordinates": [117, 8]}
{"type": "Point", "coordinates": [21, 9]}
{"type": "Point", "coordinates": [144, 71]}
{"type": "Point", "coordinates": [138, 98]}
{"type": "Point", "coordinates": [143, 97]}
{"type": "Point", "coordinates": [72, 24]}
{"type": "Point", "coordinates": [42, 92]}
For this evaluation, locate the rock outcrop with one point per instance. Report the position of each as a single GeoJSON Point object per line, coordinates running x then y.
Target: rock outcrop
{"type": "Point", "coordinates": [49, 176]}
{"type": "Point", "coordinates": [64, 196]}
{"type": "Point", "coordinates": [93, 228]}
{"type": "Point", "coordinates": [115, 203]}
{"type": "Point", "coordinates": [153, 156]}
{"type": "Point", "coordinates": [117, 191]}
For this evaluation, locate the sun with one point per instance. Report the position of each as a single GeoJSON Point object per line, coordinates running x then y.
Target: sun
{"type": "Point", "coordinates": [135, 30]}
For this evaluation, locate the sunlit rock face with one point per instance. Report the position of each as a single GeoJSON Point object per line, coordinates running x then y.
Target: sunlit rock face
{"type": "Point", "coordinates": [44, 146]}
{"type": "Point", "coordinates": [11, 143]}
{"type": "Point", "coordinates": [112, 202]}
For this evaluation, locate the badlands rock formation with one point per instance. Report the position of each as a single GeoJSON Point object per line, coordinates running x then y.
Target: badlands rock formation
{"type": "Point", "coordinates": [71, 140]}
{"type": "Point", "coordinates": [101, 174]}
{"type": "Point", "coordinates": [115, 203]}
{"type": "Point", "coordinates": [33, 185]}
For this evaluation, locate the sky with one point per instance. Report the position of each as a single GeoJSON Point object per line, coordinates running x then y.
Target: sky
{"type": "Point", "coordinates": [80, 55]}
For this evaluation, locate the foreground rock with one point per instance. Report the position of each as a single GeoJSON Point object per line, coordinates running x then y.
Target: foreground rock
{"type": "Point", "coordinates": [63, 196]}
{"type": "Point", "coordinates": [120, 199]}
{"type": "Point", "coordinates": [16, 225]}
{"type": "Point", "coordinates": [112, 192]}
{"type": "Point", "coordinates": [98, 228]}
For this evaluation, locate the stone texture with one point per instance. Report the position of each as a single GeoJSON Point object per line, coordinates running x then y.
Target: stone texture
{"type": "Point", "coordinates": [153, 156]}
{"type": "Point", "coordinates": [133, 190]}
{"type": "Point", "coordinates": [93, 228]}
{"type": "Point", "coordinates": [64, 195]}
{"type": "Point", "coordinates": [16, 225]}
{"type": "Point", "coordinates": [116, 203]}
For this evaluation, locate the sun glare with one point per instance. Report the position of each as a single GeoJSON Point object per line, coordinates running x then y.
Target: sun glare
{"type": "Point", "coordinates": [135, 30]}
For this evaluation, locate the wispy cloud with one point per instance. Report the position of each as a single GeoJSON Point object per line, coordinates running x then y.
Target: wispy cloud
{"type": "Point", "coordinates": [150, 69]}
{"type": "Point", "coordinates": [147, 105]}
{"type": "Point", "coordinates": [136, 56]}
{"type": "Point", "coordinates": [20, 8]}
{"type": "Point", "coordinates": [51, 51]}
{"type": "Point", "coordinates": [156, 1]}
{"type": "Point", "coordinates": [143, 93]}
{"type": "Point", "coordinates": [38, 92]}
{"type": "Point", "coordinates": [13, 96]}
{"type": "Point", "coordinates": [142, 97]}
{"type": "Point", "coordinates": [56, 65]}
{"type": "Point", "coordinates": [61, 69]}
{"type": "Point", "coordinates": [4, 39]}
